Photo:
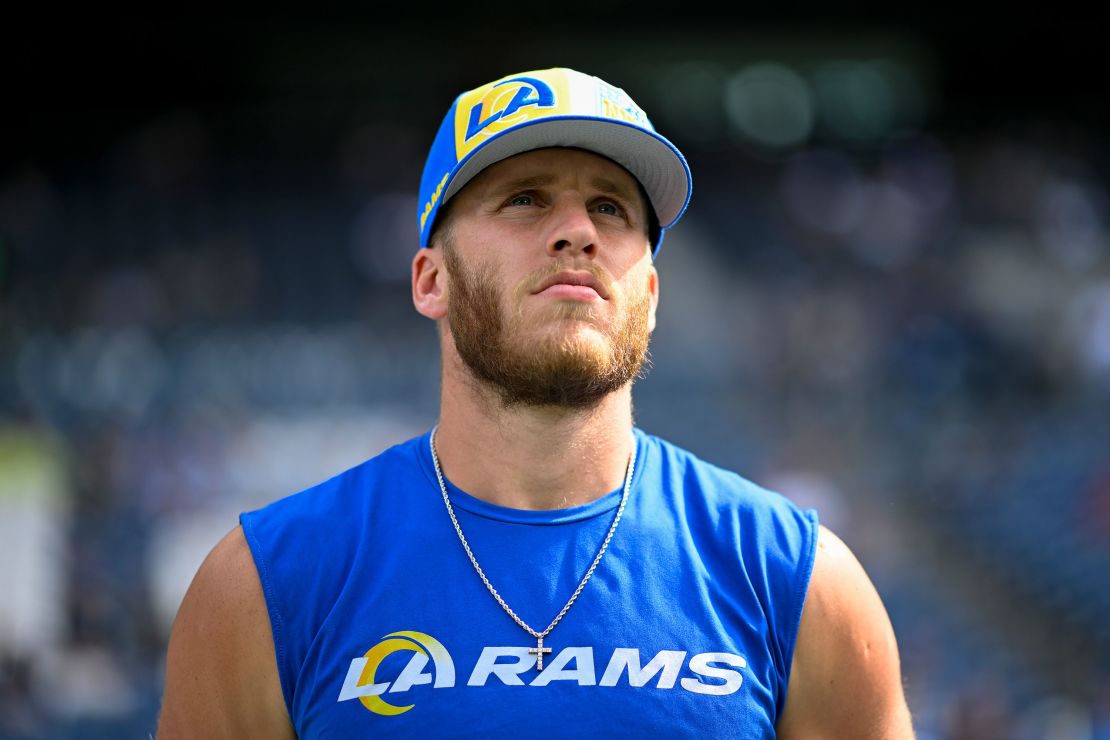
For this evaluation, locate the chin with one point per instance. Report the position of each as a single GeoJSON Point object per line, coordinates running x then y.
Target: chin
{"type": "Point", "coordinates": [575, 336]}
{"type": "Point", "coordinates": [587, 355]}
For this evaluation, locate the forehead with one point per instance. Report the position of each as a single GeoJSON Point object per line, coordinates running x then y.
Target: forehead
{"type": "Point", "coordinates": [554, 166]}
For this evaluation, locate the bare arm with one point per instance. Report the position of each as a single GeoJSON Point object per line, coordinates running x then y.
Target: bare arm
{"type": "Point", "coordinates": [846, 679]}
{"type": "Point", "coordinates": [221, 671]}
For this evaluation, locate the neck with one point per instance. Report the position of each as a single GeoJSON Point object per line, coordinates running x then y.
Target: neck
{"type": "Point", "coordinates": [531, 457]}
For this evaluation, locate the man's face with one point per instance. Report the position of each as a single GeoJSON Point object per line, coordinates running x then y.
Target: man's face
{"type": "Point", "coordinates": [551, 290]}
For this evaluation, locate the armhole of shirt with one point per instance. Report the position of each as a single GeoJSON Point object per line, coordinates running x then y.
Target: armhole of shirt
{"type": "Point", "coordinates": [807, 557]}
{"type": "Point", "coordinates": [273, 609]}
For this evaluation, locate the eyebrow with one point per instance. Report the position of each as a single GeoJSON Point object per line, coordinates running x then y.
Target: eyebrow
{"type": "Point", "coordinates": [603, 185]}
{"type": "Point", "coordinates": [525, 183]}
{"type": "Point", "coordinates": [611, 188]}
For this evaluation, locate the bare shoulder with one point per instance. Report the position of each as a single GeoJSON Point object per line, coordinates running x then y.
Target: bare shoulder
{"type": "Point", "coordinates": [846, 677]}
{"type": "Point", "coordinates": [221, 671]}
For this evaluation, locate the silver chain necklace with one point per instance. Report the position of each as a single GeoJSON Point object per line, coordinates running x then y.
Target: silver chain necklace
{"type": "Point", "coordinates": [539, 650]}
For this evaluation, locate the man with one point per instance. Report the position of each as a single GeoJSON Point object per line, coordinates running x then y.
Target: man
{"type": "Point", "coordinates": [535, 564]}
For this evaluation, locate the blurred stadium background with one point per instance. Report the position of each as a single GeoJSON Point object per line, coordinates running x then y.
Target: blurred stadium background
{"type": "Point", "coordinates": [890, 299]}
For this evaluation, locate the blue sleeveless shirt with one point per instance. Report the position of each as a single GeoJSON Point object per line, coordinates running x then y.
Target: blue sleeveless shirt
{"type": "Point", "coordinates": [381, 625]}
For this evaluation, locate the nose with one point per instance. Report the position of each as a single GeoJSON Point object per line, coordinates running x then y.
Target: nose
{"type": "Point", "coordinates": [572, 228]}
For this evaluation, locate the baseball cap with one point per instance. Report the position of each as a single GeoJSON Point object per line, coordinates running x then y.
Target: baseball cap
{"type": "Point", "coordinates": [550, 108]}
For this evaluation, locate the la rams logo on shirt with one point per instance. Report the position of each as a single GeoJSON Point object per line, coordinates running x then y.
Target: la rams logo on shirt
{"type": "Point", "coordinates": [487, 111]}
{"type": "Point", "coordinates": [710, 674]}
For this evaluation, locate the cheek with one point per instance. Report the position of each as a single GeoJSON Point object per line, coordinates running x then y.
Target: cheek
{"type": "Point", "coordinates": [637, 285]}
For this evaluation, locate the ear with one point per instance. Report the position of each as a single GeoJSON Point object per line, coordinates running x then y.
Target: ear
{"type": "Point", "coordinates": [429, 283]}
{"type": "Point", "coordinates": [653, 287]}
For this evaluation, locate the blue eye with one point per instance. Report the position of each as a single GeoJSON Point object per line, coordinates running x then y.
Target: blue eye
{"type": "Point", "coordinates": [609, 209]}
{"type": "Point", "coordinates": [521, 200]}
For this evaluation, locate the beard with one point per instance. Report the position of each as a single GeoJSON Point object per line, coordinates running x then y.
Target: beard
{"type": "Point", "coordinates": [568, 371]}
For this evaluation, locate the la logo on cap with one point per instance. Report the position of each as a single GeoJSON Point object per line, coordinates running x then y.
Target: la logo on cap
{"type": "Point", "coordinates": [527, 91]}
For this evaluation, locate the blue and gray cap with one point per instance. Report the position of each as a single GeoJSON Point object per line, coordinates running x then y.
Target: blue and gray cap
{"type": "Point", "coordinates": [550, 108]}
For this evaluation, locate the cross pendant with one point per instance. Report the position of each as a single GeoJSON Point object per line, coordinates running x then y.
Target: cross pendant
{"type": "Point", "coordinates": [539, 651]}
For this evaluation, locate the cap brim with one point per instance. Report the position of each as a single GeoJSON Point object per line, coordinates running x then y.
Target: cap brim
{"type": "Point", "coordinates": [651, 159]}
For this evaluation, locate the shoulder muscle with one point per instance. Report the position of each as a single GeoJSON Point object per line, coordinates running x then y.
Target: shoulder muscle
{"type": "Point", "coordinates": [846, 679]}
{"type": "Point", "coordinates": [221, 671]}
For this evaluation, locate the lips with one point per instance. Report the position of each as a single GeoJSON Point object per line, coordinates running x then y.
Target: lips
{"type": "Point", "coordinates": [581, 279]}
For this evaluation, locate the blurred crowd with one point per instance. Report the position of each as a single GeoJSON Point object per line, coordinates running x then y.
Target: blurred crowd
{"type": "Point", "coordinates": [908, 331]}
